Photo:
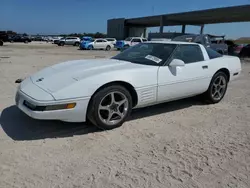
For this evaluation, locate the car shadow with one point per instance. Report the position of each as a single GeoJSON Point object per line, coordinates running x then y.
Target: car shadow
{"type": "Point", "coordinates": [20, 127]}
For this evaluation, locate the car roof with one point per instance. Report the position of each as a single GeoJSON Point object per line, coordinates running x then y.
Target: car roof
{"type": "Point", "coordinates": [171, 42]}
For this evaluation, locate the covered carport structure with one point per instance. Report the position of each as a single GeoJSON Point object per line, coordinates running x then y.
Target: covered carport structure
{"type": "Point", "coordinates": [137, 26]}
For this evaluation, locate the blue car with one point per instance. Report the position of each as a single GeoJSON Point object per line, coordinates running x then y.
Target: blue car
{"type": "Point", "coordinates": [84, 41]}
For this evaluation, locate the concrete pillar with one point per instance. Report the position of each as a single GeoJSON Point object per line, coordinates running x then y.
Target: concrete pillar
{"type": "Point", "coordinates": [183, 30]}
{"type": "Point", "coordinates": [161, 24]}
{"type": "Point", "coordinates": [202, 29]}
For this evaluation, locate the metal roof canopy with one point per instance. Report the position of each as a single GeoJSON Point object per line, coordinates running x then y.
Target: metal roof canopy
{"type": "Point", "coordinates": [200, 17]}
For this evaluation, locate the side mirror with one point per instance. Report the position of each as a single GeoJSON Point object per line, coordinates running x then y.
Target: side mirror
{"type": "Point", "coordinates": [177, 63]}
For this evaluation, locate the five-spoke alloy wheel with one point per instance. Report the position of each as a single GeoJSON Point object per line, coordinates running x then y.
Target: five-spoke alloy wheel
{"type": "Point", "coordinates": [110, 107]}
{"type": "Point", "coordinates": [217, 88]}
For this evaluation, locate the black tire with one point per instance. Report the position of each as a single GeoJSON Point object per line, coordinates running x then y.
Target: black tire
{"type": "Point", "coordinates": [77, 44]}
{"type": "Point", "coordinates": [126, 46]}
{"type": "Point", "coordinates": [93, 114]}
{"type": "Point", "coordinates": [61, 44]}
{"type": "Point", "coordinates": [108, 48]}
{"type": "Point", "coordinates": [208, 95]}
{"type": "Point", "coordinates": [1, 43]}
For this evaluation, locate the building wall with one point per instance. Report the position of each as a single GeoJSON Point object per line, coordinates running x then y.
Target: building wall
{"type": "Point", "coordinates": [137, 32]}
{"type": "Point", "coordinates": [116, 28]}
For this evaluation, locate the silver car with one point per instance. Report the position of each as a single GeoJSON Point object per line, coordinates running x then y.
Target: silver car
{"type": "Point", "coordinates": [75, 41]}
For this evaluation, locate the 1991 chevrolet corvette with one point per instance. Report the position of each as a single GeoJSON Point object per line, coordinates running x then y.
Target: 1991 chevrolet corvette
{"type": "Point", "coordinates": [105, 91]}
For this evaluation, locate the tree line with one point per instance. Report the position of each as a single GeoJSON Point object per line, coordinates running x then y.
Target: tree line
{"type": "Point", "coordinates": [94, 35]}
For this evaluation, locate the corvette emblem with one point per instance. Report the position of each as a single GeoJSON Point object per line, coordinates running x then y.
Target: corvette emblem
{"type": "Point", "coordinates": [39, 80]}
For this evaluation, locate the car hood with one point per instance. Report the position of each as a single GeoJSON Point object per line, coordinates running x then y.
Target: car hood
{"type": "Point", "coordinates": [59, 76]}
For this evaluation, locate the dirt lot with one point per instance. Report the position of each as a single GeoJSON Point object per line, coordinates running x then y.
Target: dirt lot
{"type": "Point", "coordinates": [182, 144]}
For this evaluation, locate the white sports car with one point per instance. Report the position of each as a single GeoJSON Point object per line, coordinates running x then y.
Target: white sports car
{"type": "Point", "coordinates": [105, 91]}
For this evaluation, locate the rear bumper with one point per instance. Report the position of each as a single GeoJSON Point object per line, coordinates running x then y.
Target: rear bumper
{"type": "Point", "coordinates": [235, 74]}
{"type": "Point", "coordinates": [77, 114]}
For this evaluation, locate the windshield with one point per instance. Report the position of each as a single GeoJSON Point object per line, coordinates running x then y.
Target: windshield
{"type": "Point", "coordinates": [155, 54]}
{"type": "Point", "coordinates": [128, 39]}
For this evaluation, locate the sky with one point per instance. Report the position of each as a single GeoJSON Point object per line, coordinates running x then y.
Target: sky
{"type": "Point", "coordinates": [78, 16]}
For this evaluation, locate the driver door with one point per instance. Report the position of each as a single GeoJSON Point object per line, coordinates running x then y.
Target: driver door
{"type": "Point", "coordinates": [176, 82]}
{"type": "Point", "coordinates": [98, 44]}
{"type": "Point", "coordinates": [68, 40]}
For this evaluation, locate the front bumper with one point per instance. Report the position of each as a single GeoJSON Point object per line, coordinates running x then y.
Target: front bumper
{"type": "Point", "coordinates": [76, 114]}
{"type": "Point", "coordinates": [83, 46]}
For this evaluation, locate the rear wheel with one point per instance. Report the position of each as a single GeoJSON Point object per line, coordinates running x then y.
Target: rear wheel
{"type": "Point", "coordinates": [110, 107]}
{"type": "Point", "coordinates": [217, 88]}
{"type": "Point", "coordinates": [108, 48]}
{"type": "Point", "coordinates": [1, 43]}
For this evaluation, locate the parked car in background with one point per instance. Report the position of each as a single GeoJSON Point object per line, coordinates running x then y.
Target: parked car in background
{"type": "Point", "coordinates": [20, 38]}
{"type": "Point", "coordinates": [130, 41]}
{"type": "Point", "coordinates": [37, 38]}
{"type": "Point", "coordinates": [86, 38]}
{"type": "Point", "coordinates": [104, 91]}
{"type": "Point", "coordinates": [3, 38]}
{"type": "Point", "coordinates": [111, 40]}
{"type": "Point", "coordinates": [160, 39]}
{"type": "Point", "coordinates": [56, 40]}
{"type": "Point", "coordinates": [206, 40]}
{"type": "Point", "coordinates": [233, 48]}
{"type": "Point", "coordinates": [96, 44]}
{"type": "Point", "coordinates": [75, 41]}
{"type": "Point", "coordinates": [245, 51]}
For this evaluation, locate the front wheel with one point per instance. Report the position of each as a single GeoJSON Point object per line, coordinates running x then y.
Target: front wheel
{"type": "Point", "coordinates": [217, 88]}
{"type": "Point", "coordinates": [76, 43]}
{"type": "Point", "coordinates": [110, 107]}
{"type": "Point", "coordinates": [61, 44]}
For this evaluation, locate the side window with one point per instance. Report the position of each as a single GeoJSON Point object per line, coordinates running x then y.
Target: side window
{"type": "Point", "coordinates": [99, 40]}
{"type": "Point", "coordinates": [199, 39]}
{"type": "Point", "coordinates": [144, 40]}
{"type": "Point", "coordinates": [212, 54]}
{"type": "Point", "coordinates": [188, 53]}
{"type": "Point", "coordinates": [136, 40]}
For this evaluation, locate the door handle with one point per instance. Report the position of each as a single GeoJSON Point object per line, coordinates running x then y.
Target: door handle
{"type": "Point", "coordinates": [205, 67]}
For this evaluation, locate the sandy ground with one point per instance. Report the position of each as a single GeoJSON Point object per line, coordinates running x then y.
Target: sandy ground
{"type": "Point", "coordinates": [182, 144]}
